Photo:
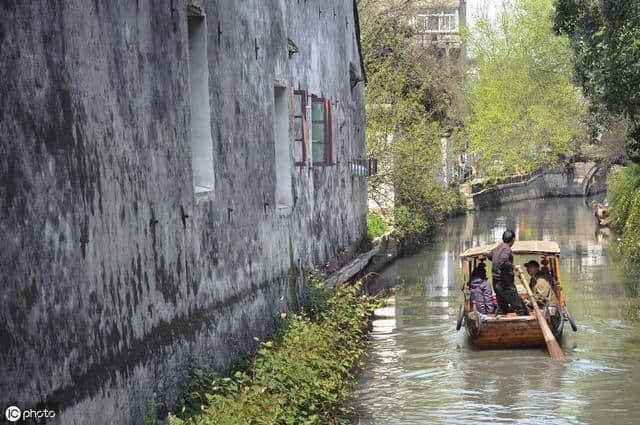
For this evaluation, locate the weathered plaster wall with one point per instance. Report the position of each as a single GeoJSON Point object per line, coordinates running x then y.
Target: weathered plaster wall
{"type": "Point", "coordinates": [112, 272]}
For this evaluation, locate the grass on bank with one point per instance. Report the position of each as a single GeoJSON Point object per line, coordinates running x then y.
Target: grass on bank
{"type": "Point", "coordinates": [623, 191]}
{"type": "Point", "coordinates": [303, 376]}
{"type": "Point", "coordinates": [376, 226]}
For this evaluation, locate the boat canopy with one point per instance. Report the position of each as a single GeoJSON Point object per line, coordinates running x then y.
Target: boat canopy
{"type": "Point", "coordinates": [518, 248]}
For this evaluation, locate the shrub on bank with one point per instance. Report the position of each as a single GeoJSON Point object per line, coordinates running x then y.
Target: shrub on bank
{"type": "Point", "coordinates": [376, 226]}
{"type": "Point", "coordinates": [624, 201]}
{"type": "Point", "coordinates": [302, 377]}
{"type": "Point", "coordinates": [418, 216]}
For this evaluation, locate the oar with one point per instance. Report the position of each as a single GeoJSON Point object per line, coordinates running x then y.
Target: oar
{"type": "Point", "coordinates": [552, 345]}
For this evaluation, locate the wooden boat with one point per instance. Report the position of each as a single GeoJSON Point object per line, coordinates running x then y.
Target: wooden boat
{"type": "Point", "coordinates": [602, 213]}
{"type": "Point", "coordinates": [511, 331]}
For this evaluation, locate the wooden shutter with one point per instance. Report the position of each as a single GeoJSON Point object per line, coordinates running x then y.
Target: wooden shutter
{"type": "Point", "coordinates": [327, 133]}
{"type": "Point", "coordinates": [293, 112]}
{"type": "Point", "coordinates": [305, 127]}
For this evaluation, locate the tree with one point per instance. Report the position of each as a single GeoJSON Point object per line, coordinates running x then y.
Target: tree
{"type": "Point", "coordinates": [524, 111]}
{"type": "Point", "coordinates": [413, 98]}
{"type": "Point", "coordinates": [605, 35]}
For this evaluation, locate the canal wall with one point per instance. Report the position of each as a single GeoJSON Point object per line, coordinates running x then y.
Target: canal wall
{"type": "Point", "coordinates": [384, 250]}
{"type": "Point", "coordinates": [582, 179]}
{"type": "Point", "coordinates": [145, 221]}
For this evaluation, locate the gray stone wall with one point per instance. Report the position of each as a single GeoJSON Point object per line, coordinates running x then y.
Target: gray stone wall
{"type": "Point", "coordinates": [579, 181]}
{"type": "Point", "coordinates": [113, 272]}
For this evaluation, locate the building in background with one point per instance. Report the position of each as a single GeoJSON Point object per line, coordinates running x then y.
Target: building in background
{"type": "Point", "coordinates": [439, 25]}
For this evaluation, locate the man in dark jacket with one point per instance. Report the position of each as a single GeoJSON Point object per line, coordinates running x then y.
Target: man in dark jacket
{"type": "Point", "coordinates": [503, 277]}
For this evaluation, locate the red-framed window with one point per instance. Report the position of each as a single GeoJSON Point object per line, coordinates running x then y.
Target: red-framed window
{"type": "Point", "coordinates": [300, 127]}
{"type": "Point", "coordinates": [321, 137]}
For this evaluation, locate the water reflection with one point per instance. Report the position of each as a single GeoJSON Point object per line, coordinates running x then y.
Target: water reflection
{"type": "Point", "coordinates": [421, 371]}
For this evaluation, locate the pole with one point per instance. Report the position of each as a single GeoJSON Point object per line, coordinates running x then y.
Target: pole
{"type": "Point", "coordinates": [552, 345]}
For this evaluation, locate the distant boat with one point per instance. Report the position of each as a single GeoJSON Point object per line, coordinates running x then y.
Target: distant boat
{"type": "Point", "coordinates": [510, 331]}
{"type": "Point", "coordinates": [602, 213]}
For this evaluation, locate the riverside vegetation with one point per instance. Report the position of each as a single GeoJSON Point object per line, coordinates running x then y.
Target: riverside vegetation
{"type": "Point", "coordinates": [524, 111]}
{"type": "Point", "coordinates": [376, 226]}
{"type": "Point", "coordinates": [302, 376]}
{"type": "Point", "coordinates": [624, 200]}
{"type": "Point", "coordinates": [413, 100]}
{"type": "Point", "coordinates": [606, 38]}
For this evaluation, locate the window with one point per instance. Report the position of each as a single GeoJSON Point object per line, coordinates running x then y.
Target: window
{"type": "Point", "coordinates": [436, 22]}
{"type": "Point", "coordinates": [282, 143]}
{"type": "Point", "coordinates": [321, 131]}
{"type": "Point", "coordinates": [449, 23]}
{"type": "Point", "coordinates": [300, 130]}
{"type": "Point", "coordinates": [433, 23]}
{"type": "Point", "coordinates": [201, 140]}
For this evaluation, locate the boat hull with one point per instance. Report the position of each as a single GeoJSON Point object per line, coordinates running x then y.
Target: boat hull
{"type": "Point", "coordinates": [602, 216]}
{"type": "Point", "coordinates": [509, 332]}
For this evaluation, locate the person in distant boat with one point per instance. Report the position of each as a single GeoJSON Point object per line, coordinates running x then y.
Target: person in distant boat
{"type": "Point", "coordinates": [502, 269]}
{"type": "Point", "coordinates": [541, 284]}
{"type": "Point", "coordinates": [481, 293]}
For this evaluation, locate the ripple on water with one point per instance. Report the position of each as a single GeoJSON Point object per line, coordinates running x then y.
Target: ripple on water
{"type": "Point", "coordinates": [421, 371]}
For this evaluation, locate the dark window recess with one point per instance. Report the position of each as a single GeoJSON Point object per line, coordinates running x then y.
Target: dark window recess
{"type": "Point", "coordinates": [321, 137]}
{"type": "Point", "coordinates": [363, 167]}
{"type": "Point", "coordinates": [300, 127]}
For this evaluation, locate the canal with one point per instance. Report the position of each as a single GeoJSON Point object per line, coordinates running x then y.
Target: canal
{"type": "Point", "coordinates": [421, 371]}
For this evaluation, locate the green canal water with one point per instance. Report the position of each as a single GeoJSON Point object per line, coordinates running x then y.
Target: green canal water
{"type": "Point", "coordinates": [421, 371]}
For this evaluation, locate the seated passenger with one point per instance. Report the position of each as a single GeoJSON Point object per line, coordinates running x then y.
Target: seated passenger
{"type": "Point", "coordinates": [481, 294]}
{"type": "Point", "coordinates": [541, 284]}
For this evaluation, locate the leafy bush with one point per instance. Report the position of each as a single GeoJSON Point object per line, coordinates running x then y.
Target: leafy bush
{"type": "Point", "coordinates": [317, 294]}
{"type": "Point", "coordinates": [624, 200]}
{"type": "Point", "coordinates": [302, 377]}
{"type": "Point", "coordinates": [376, 226]}
{"type": "Point", "coordinates": [418, 217]}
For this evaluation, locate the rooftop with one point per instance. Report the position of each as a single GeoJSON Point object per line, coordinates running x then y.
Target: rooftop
{"type": "Point", "coordinates": [518, 248]}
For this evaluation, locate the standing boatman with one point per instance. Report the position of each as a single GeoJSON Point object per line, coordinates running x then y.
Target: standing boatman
{"type": "Point", "coordinates": [503, 277]}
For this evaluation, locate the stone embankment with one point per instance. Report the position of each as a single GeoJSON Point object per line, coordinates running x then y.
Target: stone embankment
{"type": "Point", "coordinates": [581, 179]}
{"type": "Point", "coordinates": [384, 250]}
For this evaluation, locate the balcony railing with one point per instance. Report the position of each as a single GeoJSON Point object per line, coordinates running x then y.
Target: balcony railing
{"type": "Point", "coordinates": [363, 167]}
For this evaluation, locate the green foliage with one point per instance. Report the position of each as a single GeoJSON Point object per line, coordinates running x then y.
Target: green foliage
{"type": "Point", "coordinates": [316, 294]}
{"type": "Point", "coordinates": [151, 415]}
{"type": "Point", "coordinates": [524, 111]}
{"type": "Point", "coordinates": [376, 226]}
{"type": "Point", "coordinates": [624, 201]}
{"type": "Point", "coordinates": [417, 218]}
{"type": "Point", "coordinates": [194, 393]}
{"type": "Point", "coordinates": [413, 100]}
{"type": "Point", "coordinates": [606, 38]}
{"type": "Point", "coordinates": [302, 377]}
